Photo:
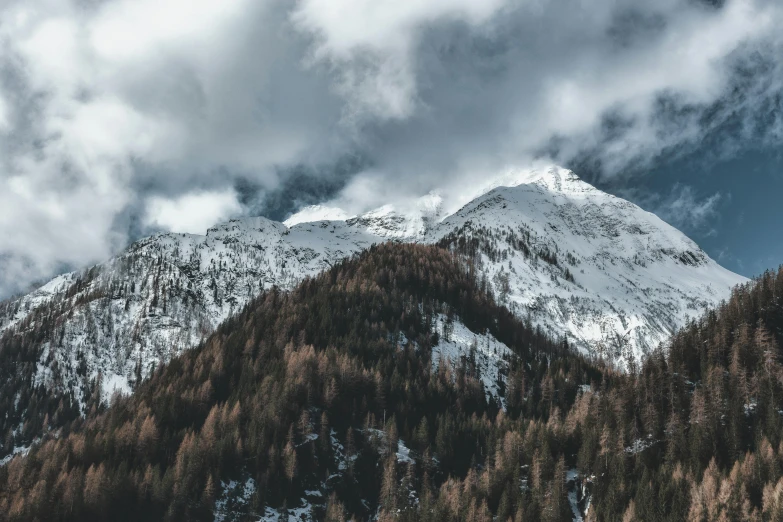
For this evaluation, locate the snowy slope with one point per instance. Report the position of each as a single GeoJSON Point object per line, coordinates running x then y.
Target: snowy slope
{"type": "Point", "coordinates": [488, 356]}
{"type": "Point", "coordinates": [166, 293]}
{"type": "Point", "coordinates": [610, 277]}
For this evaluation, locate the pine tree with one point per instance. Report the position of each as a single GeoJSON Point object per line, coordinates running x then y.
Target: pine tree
{"type": "Point", "coordinates": [389, 486]}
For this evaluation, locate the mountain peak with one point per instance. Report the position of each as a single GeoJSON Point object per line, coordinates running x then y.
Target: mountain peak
{"type": "Point", "coordinates": [552, 177]}
{"type": "Point", "coordinates": [577, 262]}
{"type": "Point", "coordinates": [406, 221]}
{"type": "Point", "coordinates": [248, 227]}
{"type": "Point", "coordinates": [314, 213]}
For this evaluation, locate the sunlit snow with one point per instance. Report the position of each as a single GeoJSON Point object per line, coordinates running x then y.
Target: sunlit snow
{"type": "Point", "coordinates": [491, 356]}
{"type": "Point", "coordinates": [635, 278]}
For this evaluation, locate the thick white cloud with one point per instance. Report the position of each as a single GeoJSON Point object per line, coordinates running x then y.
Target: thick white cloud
{"type": "Point", "coordinates": [192, 213]}
{"type": "Point", "coordinates": [372, 45]}
{"type": "Point", "coordinates": [620, 81]}
{"type": "Point", "coordinates": [121, 112]}
{"type": "Point", "coordinates": [121, 105]}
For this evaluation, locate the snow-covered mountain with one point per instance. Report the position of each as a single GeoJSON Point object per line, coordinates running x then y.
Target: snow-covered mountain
{"type": "Point", "coordinates": [610, 277]}
{"type": "Point", "coordinates": [614, 279]}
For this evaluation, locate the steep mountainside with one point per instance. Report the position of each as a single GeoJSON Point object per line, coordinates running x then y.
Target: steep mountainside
{"type": "Point", "coordinates": [614, 279]}
{"type": "Point", "coordinates": [393, 388]}
{"type": "Point", "coordinates": [359, 393]}
{"type": "Point", "coordinates": [581, 264]}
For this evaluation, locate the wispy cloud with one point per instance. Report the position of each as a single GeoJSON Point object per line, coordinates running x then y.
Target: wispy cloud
{"type": "Point", "coordinates": [683, 208]}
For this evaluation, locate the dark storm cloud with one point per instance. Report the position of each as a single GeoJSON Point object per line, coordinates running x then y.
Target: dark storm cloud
{"type": "Point", "coordinates": [300, 186]}
{"type": "Point", "coordinates": [122, 117]}
{"type": "Point", "coordinates": [611, 85]}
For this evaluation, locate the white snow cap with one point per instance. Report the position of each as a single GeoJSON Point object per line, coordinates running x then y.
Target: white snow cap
{"type": "Point", "coordinates": [317, 213]}
{"type": "Point", "coordinates": [577, 262]}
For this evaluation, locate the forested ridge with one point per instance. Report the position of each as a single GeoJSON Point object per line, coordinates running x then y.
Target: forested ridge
{"type": "Point", "coordinates": [311, 390]}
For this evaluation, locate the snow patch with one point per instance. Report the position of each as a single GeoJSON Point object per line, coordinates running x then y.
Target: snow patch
{"type": "Point", "coordinates": [639, 445]}
{"type": "Point", "coordinates": [113, 383]}
{"type": "Point", "coordinates": [404, 453]}
{"type": "Point", "coordinates": [18, 450]}
{"type": "Point", "coordinates": [456, 343]}
{"type": "Point", "coordinates": [234, 500]}
{"type": "Point", "coordinates": [572, 477]}
{"type": "Point", "coordinates": [303, 513]}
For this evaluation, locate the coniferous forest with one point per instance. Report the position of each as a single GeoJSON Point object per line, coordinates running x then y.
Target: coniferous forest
{"type": "Point", "coordinates": [328, 395]}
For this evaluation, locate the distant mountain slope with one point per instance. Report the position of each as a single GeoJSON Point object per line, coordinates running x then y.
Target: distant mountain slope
{"type": "Point", "coordinates": [574, 261]}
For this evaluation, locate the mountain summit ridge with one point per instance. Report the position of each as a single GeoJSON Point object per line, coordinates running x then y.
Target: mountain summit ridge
{"type": "Point", "coordinates": [581, 264]}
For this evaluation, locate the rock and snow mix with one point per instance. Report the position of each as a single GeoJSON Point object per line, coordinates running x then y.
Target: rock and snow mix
{"type": "Point", "coordinates": [609, 276]}
{"type": "Point", "coordinates": [581, 264]}
{"type": "Point", "coordinates": [578, 496]}
{"type": "Point", "coordinates": [234, 501]}
{"type": "Point", "coordinates": [18, 450]}
{"type": "Point", "coordinates": [488, 356]}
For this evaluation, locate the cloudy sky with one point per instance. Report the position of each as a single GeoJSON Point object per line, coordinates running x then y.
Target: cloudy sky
{"type": "Point", "coordinates": [119, 118]}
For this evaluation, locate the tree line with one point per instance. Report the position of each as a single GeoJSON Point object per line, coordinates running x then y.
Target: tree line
{"type": "Point", "coordinates": [320, 388]}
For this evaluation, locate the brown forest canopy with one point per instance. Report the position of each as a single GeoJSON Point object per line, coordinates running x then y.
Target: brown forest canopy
{"type": "Point", "coordinates": [313, 388]}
